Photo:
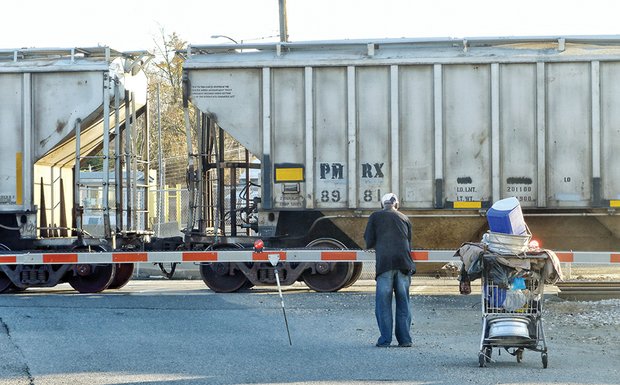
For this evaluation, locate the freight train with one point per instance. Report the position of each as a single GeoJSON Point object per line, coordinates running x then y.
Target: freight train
{"type": "Point", "coordinates": [449, 125]}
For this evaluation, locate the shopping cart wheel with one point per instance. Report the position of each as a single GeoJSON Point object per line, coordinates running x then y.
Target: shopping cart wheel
{"type": "Point", "coordinates": [519, 354]}
{"type": "Point", "coordinates": [544, 359]}
{"type": "Point", "coordinates": [482, 359]}
{"type": "Point", "coordinates": [487, 353]}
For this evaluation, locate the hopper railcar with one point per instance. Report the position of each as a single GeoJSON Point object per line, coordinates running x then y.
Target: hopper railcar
{"type": "Point", "coordinates": [449, 125]}
{"type": "Point", "coordinates": [58, 107]}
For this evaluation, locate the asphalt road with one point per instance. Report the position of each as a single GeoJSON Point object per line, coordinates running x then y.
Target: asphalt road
{"type": "Point", "coordinates": [179, 332]}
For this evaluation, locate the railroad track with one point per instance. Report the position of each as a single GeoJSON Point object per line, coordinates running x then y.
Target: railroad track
{"type": "Point", "coordinates": [588, 290]}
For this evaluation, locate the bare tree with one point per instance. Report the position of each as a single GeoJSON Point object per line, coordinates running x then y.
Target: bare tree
{"type": "Point", "coordinates": [165, 84]}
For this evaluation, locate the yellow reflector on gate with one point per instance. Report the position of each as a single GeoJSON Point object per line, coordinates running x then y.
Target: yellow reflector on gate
{"type": "Point", "coordinates": [290, 174]}
{"type": "Point", "coordinates": [467, 205]}
{"type": "Point", "coordinates": [615, 203]}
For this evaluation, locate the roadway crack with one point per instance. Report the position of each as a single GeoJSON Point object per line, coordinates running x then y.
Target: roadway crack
{"type": "Point", "coordinates": [25, 369]}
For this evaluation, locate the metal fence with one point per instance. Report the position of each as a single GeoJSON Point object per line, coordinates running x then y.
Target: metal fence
{"type": "Point", "coordinates": [169, 210]}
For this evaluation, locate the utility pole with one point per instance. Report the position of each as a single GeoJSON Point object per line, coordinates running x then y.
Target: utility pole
{"type": "Point", "coordinates": [283, 22]}
{"type": "Point", "coordinates": [160, 185]}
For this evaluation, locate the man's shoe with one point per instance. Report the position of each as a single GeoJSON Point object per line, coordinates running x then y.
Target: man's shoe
{"type": "Point", "coordinates": [386, 345]}
{"type": "Point", "coordinates": [406, 345]}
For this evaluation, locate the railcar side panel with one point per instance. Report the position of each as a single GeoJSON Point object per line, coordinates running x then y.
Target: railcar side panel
{"type": "Point", "coordinates": [467, 127]}
{"type": "Point", "coordinates": [288, 137]}
{"type": "Point", "coordinates": [569, 134]}
{"type": "Point", "coordinates": [59, 100]}
{"type": "Point", "coordinates": [11, 193]}
{"type": "Point", "coordinates": [416, 127]}
{"type": "Point", "coordinates": [610, 130]}
{"type": "Point", "coordinates": [518, 139]}
{"type": "Point", "coordinates": [331, 168]}
{"type": "Point", "coordinates": [373, 135]}
{"type": "Point", "coordinates": [233, 98]}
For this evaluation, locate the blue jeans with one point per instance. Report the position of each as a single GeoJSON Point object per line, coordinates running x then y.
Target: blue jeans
{"type": "Point", "coordinates": [393, 281]}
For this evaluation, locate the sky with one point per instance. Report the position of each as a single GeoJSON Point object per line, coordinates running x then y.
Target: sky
{"type": "Point", "coordinates": [136, 24]}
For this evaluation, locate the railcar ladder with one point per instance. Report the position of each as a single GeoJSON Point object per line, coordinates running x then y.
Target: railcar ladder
{"type": "Point", "coordinates": [129, 210]}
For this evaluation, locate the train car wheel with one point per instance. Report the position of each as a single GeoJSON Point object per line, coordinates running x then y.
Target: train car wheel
{"type": "Point", "coordinates": [124, 272]}
{"type": "Point", "coordinates": [222, 277]}
{"type": "Point", "coordinates": [355, 275]}
{"type": "Point", "coordinates": [5, 283]}
{"type": "Point", "coordinates": [330, 243]}
{"type": "Point", "coordinates": [330, 276]}
{"type": "Point", "coordinates": [92, 278]}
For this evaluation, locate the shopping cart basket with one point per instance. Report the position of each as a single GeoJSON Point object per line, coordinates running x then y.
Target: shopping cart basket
{"type": "Point", "coordinates": [512, 305]}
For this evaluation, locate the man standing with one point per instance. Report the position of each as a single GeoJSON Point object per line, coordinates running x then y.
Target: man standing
{"type": "Point", "coordinates": [389, 232]}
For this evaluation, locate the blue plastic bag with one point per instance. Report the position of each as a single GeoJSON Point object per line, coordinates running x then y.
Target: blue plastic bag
{"type": "Point", "coordinates": [518, 283]}
{"type": "Point", "coordinates": [495, 296]}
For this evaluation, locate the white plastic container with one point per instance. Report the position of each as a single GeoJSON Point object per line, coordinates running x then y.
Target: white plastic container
{"type": "Point", "coordinates": [506, 243]}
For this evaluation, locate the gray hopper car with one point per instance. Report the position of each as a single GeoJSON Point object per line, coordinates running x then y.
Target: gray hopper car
{"type": "Point", "coordinates": [449, 125]}
{"type": "Point", "coordinates": [57, 107]}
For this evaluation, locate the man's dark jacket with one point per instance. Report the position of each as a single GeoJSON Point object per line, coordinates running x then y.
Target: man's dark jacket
{"type": "Point", "coordinates": [389, 232]}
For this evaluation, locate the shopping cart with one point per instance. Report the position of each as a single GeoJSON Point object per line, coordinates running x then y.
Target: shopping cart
{"type": "Point", "coordinates": [512, 305]}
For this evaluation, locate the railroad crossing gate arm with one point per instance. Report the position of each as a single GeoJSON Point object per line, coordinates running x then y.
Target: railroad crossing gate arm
{"type": "Point", "coordinates": [287, 255]}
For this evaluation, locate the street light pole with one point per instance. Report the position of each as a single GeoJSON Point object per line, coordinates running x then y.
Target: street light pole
{"type": "Point", "coordinates": [225, 37]}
